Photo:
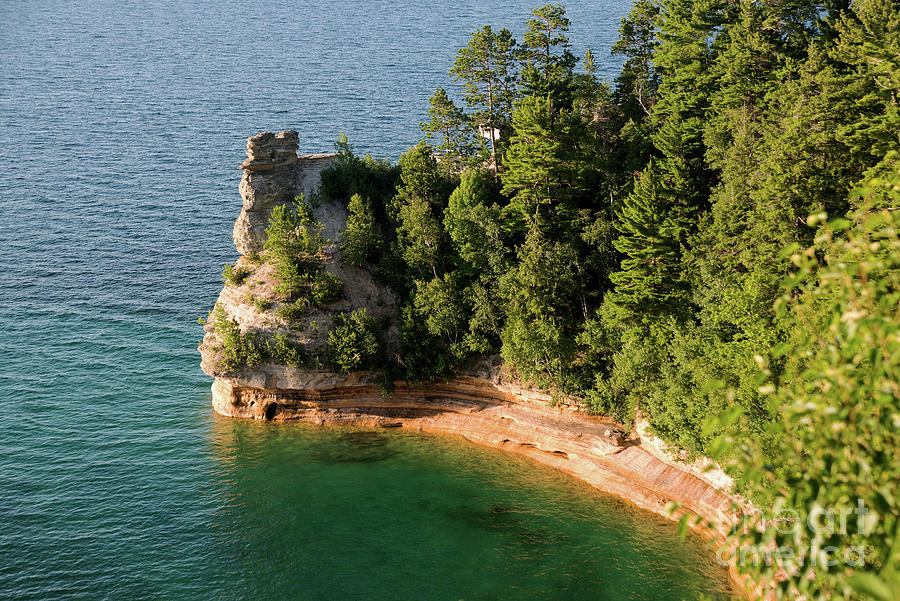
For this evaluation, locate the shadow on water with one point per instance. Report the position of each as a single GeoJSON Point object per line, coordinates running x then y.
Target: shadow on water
{"type": "Point", "coordinates": [355, 447]}
{"type": "Point", "coordinates": [503, 518]}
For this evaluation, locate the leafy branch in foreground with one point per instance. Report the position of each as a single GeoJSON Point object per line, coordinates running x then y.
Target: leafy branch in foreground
{"type": "Point", "coordinates": [830, 511]}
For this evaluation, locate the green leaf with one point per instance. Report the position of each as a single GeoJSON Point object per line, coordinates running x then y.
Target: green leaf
{"type": "Point", "coordinates": [839, 225]}
{"type": "Point", "coordinates": [731, 415]}
{"type": "Point", "coordinates": [788, 250]}
{"type": "Point", "coordinates": [718, 448]}
{"type": "Point", "coordinates": [710, 424]}
{"type": "Point", "coordinates": [875, 587]}
{"type": "Point", "coordinates": [711, 386]}
{"type": "Point", "coordinates": [780, 349]}
{"type": "Point", "coordinates": [682, 525]}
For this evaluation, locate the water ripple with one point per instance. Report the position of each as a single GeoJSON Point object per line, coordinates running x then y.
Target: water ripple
{"type": "Point", "coordinates": [123, 125]}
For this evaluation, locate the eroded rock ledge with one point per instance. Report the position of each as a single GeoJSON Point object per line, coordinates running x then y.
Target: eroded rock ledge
{"type": "Point", "coordinates": [273, 174]}
{"type": "Point", "coordinates": [594, 449]}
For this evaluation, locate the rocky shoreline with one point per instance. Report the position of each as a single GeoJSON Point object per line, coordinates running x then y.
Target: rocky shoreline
{"type": "Point", "coordinates": [594, 449]}
{"type": "Point", "coordinates": [484, 406]}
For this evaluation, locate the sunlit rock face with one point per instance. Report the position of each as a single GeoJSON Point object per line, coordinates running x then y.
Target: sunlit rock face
{"type": "Point", "coordinates": [273, 174]}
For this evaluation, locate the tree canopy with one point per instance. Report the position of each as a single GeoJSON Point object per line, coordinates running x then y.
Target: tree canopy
{"type": "Point", "coordinates": [626, 244]}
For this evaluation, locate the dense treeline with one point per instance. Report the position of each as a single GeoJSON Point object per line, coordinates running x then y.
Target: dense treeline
{"type": "Point", "coordinates": [648, 245]}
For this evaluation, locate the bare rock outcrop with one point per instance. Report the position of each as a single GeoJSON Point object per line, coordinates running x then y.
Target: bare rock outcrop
{"type": "Point", "coordinates": [273, 174]}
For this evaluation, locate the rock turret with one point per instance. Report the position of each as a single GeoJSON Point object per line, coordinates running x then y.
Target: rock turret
{"type": "Point", "coordinates": [273, 174]}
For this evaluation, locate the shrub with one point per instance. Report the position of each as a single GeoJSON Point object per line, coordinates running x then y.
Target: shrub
{"type": "Point", "coordinates": [235, 275]}
{"type": "Point", "coordinates": [352, 344]}
{"type": "Point", "coordinates": [286, 352]}
{"type": "Point", "coordinates": [252, 349]}
{"type": "Point", "coordinates": [294, 242]}
{"type": "Point", "coordinates": [262, 304]}
{"type": "Point", "coordinates": [837, 426]}
{"type": "Point", "coordinates": [325, 289]}
{"type": "Point", "coordinates": [372, 179]}
{"type": "Point", "coordinates": [292, 312]}
{"type": "Point", "coordinates": [240, 350]}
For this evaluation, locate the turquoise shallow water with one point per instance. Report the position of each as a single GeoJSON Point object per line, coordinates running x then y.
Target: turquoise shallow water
{"type": "Point", "coordinates": [122, 125]}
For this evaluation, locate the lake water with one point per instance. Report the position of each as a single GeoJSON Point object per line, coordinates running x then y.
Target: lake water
{"type": "Point", "coordinates": [122, 125]}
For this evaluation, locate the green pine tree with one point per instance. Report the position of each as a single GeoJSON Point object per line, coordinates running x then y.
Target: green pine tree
{"type": "Point", "coordinates": [293, 243]}
{"type": "Point", "coordinates": [486, 67]}
{"type": "Point", "coordinates": [650, 282]}
{"type": "Point", "coordinates": [361, 239]}
{"type": "Point", "coordinates": [547, 62]}
{"type": "Point", "coordinates": [472, 220]}
{"type": "Point", "coordinates": [638, 81]}
{"type": "Point", "coordinates": [456, 135]}
{"type": "Point", "coordinates": [547, 161]}
{"type": "Point", "coordinates": [420, 199]}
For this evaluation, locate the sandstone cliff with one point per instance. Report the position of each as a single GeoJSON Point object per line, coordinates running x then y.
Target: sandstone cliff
{"type": "Point", "coordinates": [481, 405]}
{"type": "Point", "coordinates": [274, 175]}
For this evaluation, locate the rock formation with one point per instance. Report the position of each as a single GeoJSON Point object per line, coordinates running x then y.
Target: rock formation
{"type": "Point", "coordinates": [482, 405]}
{"type": "Point", "coordinates": [273, 175]}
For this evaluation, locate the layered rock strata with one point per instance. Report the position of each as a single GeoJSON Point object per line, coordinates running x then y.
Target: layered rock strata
{"type": "Point", "coordinates": [505, 416]}
{"type": "Point", "coordinates": [483, 405]}
{"type": "Point", "coordinates": [273, 174]}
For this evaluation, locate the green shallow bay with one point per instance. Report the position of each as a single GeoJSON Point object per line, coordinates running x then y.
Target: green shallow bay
{"type": "Point", "coordinates": [315, 513]}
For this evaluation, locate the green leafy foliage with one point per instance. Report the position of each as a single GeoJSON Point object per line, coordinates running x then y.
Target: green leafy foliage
{"type": "Point", "coordinates": [637, 83]}
{"type": "Point", "coordinates": [453, 130]}
{"type": "Point", "coordinates": [548, 64]}
{"type": "Point", "coordinates": [235, 275]}
{"type": "Point", "coordinates": [285, 352]}
{"type": "Point", "coordinates": [540, 293]}
{"type": "Point", "coordinates": [361, 239]}
{"type": "Point", "coordinates": [650, 280]}
{"type": "Point", "coordinates": [372, 179]}
{"type": "Point", "coordinates": [439, 302]}
{"type": "Point", "coordinates": [292, 312]}
{"type": "Point", "coordinates": [473, 222]}
{"type": "Point", "coordinates": [353, 344]}
{"type": "Point", "coordinates": [420, 199]}
{"type": "Point", "coordinates": [626, 245]}
{"type": "Point", "coordinates": [326, 288]}
{"type": "Point", "coordinates": [295, 244]}
{"type": "Point", "coordinates": [239, 350]}
{"type": "Point", "coordinates": [262, 304]}
{"type": "Point", "coordinates": [487, 68]}
{"type": "Point", "coordinates": [545, 164]}
{"type": "Point", "coordinates": [838, 418]}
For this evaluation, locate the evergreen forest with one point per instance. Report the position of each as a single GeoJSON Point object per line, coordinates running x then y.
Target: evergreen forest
{"type": "Point", "coordinates": [708, 242]}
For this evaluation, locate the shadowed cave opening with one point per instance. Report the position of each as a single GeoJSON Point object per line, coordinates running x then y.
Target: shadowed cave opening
{"type": "Point", "coordinates": [271, 410]}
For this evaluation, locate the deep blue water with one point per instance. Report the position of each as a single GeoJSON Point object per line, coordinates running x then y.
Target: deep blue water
{"type": "Point", "coordinates": [122, 124]}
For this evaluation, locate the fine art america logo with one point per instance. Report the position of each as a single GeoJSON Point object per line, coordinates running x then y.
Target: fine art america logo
{"type": "Point", "coordinates": [801, 542]}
